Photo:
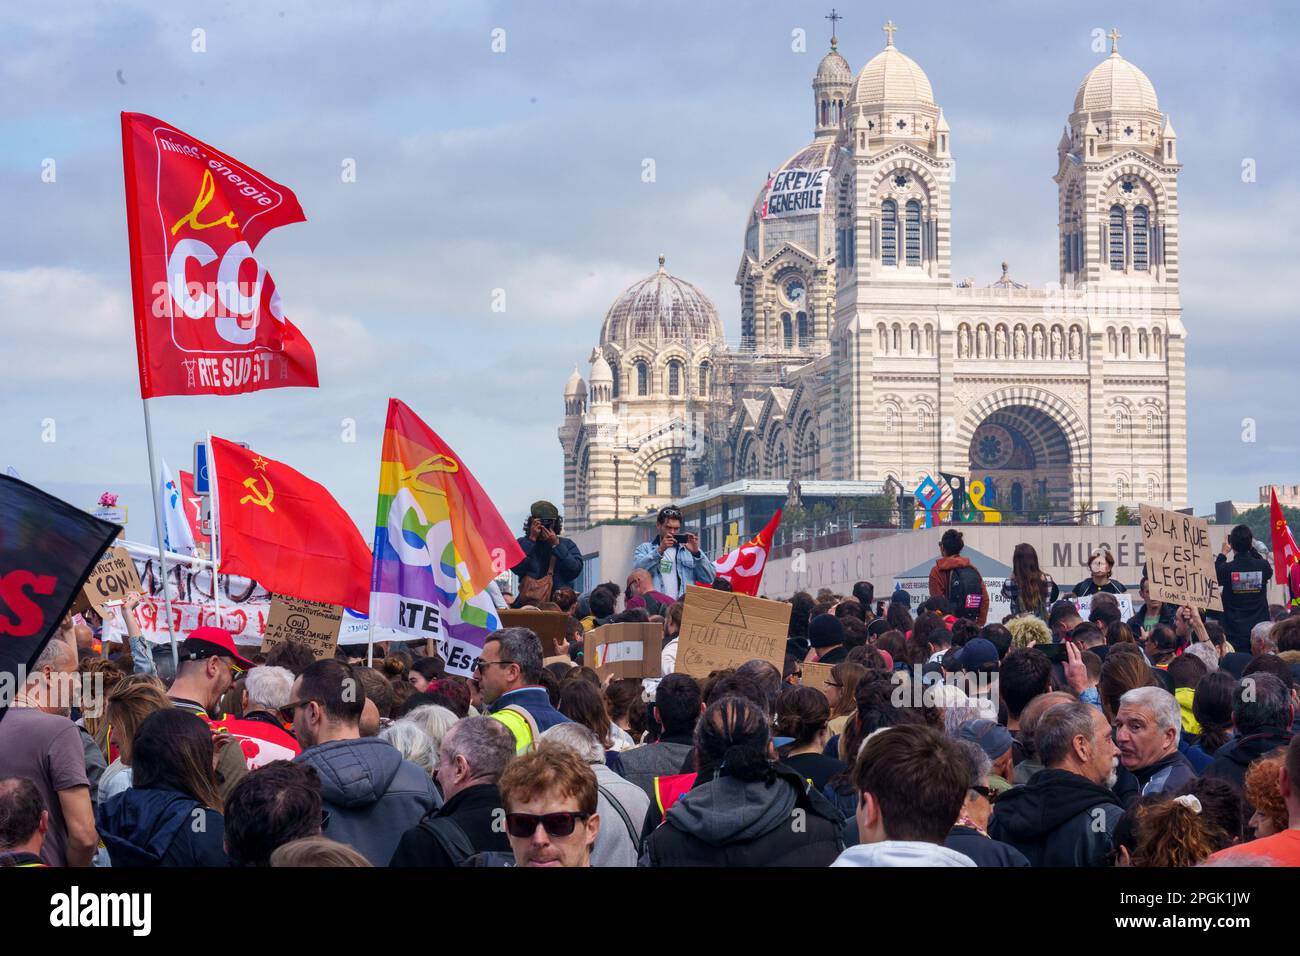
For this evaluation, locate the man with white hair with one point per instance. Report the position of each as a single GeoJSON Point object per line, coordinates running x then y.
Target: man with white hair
{"type": "Point", "coordinates": [1066, 815]}
{"type": "Point", "coordinates": [262, 732]}
{"type": "Point", "coordinates": [39, 743]}
{"type": "Point", "coordinates": [1146, 731]}
{"type": "Point", "coordinates": [619, 801]}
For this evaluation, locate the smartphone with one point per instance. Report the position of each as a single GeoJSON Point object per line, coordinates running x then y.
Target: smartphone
{"type": "Point", "coordinates": [1056, 653]}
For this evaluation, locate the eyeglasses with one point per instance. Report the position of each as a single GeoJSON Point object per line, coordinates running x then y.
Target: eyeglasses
{"type": "Point", "coordinates": [988, 793]}
{"type": "Point", "coordinates": [670, 513]}
{"type": "Point", "coordinates": [483, 665]}
{"type": "Point", "coordinates": [291, 708]}
{"type": "Point", "coordinates": [523, 825]}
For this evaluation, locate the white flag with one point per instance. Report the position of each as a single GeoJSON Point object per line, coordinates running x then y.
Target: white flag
{"type": "Point", "coordinates": [177, 536]}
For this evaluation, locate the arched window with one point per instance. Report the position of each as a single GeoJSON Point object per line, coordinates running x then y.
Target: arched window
{"type": "Point", "coordinates": [990, 490]}
{"type": "Point", "coordinates": [1151, 422]}
{"type": "Point", "coordinates": [652, 483]}
{"type": "Point", "coordinates": [704, 379]}
{"type": "Point", "coordinates": [1140, 237]}
{"type": "Point", "coordinates": [889, 233]}
{"type": "Point", "coordinates": [676, 477]}
{"type": "Point", "coordinates": [889, 418]}
{"type": "Point", "coordinates": [1153, 488]}
{"type": "Point", "coordinates": [1125, 344]}
{"type": "Point", "coordinates": [617, 373]}
{"type": "Point", "coordinates": [913, 339]}
{"type": "Point", "coordinates": [1143, 343]}
{"type": "Point", "coordinates": [898, 339]}
{"type": "Point", "coordinates": [823, 112]}
{"type": "Point", "coordinates": [1119, 423]}
{"type": "Point", "coordinates": [1121, 488]}
{"type": "Point", "coordinates": [1017, 497]}
{"type": "Point", "coordinates": [1117, 238]}
{"type": "Point", "coordinates": [787, 330]}
{"type": "Point", "coordinates": [922, 421]}
{"type": "Point", "coordinates": [642, 378]}
{"type": "Point", "coordinates": [913, 232]}
{"type": "Point", "coordinates": [883, 334]}
{"type": "Point", "coordinates": [802, 323]}
{"type": "Point", "coordinates": [674, 378]}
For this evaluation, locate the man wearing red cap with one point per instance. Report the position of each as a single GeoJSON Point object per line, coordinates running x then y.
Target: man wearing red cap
{"type": "Point", "coordinates": [208, 663]}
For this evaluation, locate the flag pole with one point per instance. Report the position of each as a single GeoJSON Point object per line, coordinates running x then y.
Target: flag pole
{"type": "Point", "coordinates": [215, 498]}
{"type": "Point", "coordinates": [158, 528]}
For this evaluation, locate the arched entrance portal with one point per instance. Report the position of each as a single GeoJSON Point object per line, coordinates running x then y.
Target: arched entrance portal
{"type": "Point", "coordinates": [1023, 457]}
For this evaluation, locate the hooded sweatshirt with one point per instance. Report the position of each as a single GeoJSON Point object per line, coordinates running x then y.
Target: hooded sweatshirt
{"type": "Point", "coordinates": [155, 827]}
{"type": "Point", "coordinates": [901, 853]}
{"type": "Point", "coordinates": [942, 572]}
{"type": "Point", "coordinates": [372, 794]}
{"type": "Point", "coordinates": [1233, 759]}
{"type": "Point", "coordinates": [1051, 820]}
{"type": "Point", "coordinates": [731, 822]}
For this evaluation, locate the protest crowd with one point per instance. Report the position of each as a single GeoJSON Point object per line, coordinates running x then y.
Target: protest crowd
{"type": "Point", "coordinates": [891, 735]}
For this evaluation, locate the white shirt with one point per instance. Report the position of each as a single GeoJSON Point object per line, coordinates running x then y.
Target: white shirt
{"type": "Point", "coordinates": [668, 658]}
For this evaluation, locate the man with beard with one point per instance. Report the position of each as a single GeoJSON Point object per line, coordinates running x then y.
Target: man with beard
{"type": "Point", "coordinates": [1067, 814]}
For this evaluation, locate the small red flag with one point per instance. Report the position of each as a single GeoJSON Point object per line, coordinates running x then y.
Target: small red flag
{"type": "Point", "coordinates": [744, 566]}
{"type": "Point", "coordinates": [287, 532]}
{"type": "Point", "coordinates": [208, 319]}
{"type": "Point", "coordinates": [1285, 552]}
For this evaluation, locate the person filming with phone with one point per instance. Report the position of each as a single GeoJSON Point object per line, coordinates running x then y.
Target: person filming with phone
{"type": "Point", "coordinates": [673, 558]}
{"type": "Point", "coordinates": [550, 562]}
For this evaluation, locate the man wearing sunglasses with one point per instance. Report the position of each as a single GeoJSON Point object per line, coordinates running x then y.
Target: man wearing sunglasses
{"type": "Point", "coordinates": [673, 559]}
{"type": "Point", "coordinates": [207, 667]}
{"type": "Point", "coordinates": [508, 675]}
{"type": "Point", "coordinates": [970, 835]}
{"type": "Point", "coordinates": [550, 802]}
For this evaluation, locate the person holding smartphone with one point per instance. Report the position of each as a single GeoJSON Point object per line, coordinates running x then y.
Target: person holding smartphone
{"type": "Point", "coordinates": [673, 558]}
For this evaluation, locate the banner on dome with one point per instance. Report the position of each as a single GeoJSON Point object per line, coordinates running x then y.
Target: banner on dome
{"type": "Point", "coordinates": [796, 192]}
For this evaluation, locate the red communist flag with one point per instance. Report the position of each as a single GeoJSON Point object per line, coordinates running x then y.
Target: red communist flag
{"type": "Point", "coordinates": [744, 566]}
{"type": "Point", "coordinates": [1285, 553]}
{"type": "Point", "coordinates": [208, 319]}
{"type": "Point", "coordinates": [286, 532]}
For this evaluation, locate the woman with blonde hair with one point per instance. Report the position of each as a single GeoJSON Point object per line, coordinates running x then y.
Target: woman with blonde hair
{"type": "Point", "coordinates": [132, 699]}
{"type": "Point", "coordinates": [317, 851]}
{"type": "Point", "coordinates": [839, 690]}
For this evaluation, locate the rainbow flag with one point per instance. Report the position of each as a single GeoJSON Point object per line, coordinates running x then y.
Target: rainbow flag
{"type": "Point", "coordinates": [439, 541]}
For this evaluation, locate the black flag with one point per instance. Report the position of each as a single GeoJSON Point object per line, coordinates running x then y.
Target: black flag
{"type": "Point", "coordinates": [47, 550]}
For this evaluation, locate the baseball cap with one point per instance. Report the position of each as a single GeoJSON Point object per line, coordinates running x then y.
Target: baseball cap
{"type": "Point", "coordinates": [205, 642]}
{"type": "Point", "coordinates": [992, 737]}
{"type": "Point", "coordinates": [544, 510]}
{"type": "Point", "coordinates": [977, 653]}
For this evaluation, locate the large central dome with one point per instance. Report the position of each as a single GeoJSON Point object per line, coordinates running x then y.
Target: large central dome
{"type": "Point", "coordinates": [892, 77]}
{"type": "Point", "coordinates": [661, 308]}
{"type": "Point", "coordinates": [1115, 84]}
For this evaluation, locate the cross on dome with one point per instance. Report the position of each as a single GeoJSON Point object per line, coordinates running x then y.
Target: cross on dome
{"type": "Point", "coordinates": [889, 29]}
{"type": "Point", "coordinates": [1114, 41]}
{"type": "Point", "coordinates": [834, 18]}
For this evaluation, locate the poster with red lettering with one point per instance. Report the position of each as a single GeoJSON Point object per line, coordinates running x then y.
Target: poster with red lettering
{"type": "Point", "coordinates": [208, 318]}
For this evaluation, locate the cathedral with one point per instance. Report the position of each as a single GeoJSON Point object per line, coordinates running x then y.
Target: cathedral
{"type": "Point", "coordinates": [862, 359]}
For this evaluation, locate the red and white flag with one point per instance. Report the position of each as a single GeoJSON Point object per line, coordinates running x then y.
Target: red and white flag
{"type": "Point", "coordinates": [1285, 552]}
{"type": "Point", "coordinates": [744, 566]}
{"type": "Point", "coordinates": [208, 319]}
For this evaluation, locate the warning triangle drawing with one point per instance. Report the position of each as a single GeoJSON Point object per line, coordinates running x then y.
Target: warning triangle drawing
{"type": "Point", "coordinates": [731, 615]}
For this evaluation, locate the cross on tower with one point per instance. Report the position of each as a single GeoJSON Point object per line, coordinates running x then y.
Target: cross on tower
{"type": "Point", "coordinates": [834, 18]}
{"type": "Point", "coordinates": [1114, 39]}
{"type": "Point", "coordinates": [889, 29]}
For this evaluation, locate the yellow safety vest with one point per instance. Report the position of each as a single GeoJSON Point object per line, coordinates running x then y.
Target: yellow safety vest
{"type": "Point", "coordinates": [521, 724]}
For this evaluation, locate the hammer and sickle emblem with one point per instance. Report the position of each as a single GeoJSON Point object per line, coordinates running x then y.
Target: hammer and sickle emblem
{"type": "Point", "coordinates": [432, 463]}
{"type": "Point", "coordinates": [257, 498]}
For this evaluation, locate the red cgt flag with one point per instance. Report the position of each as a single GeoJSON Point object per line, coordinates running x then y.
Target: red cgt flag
{"type": "Point", "coordinates": [1285, 553]}
{"type": "Point", "coordinates": [286, 532]}
{"type": "Point", "coordinates": [208, 319]}
{"type": "Point", "coordinates": [744, 566]}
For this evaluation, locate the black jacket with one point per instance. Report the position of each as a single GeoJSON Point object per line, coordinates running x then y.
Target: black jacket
{"type": "Point", "coordinates": [1059, 818]}
{"type": "Point", "coordinates": [537, 560]}
{"type": "Point", "coordinates": [985, 851]}
{"type": "Point", "coordinates": [1167, 612]}
{"type": "Point", "coordinates": [1245, 600]}
{"type": "Point", "coordinates": [729, 822]}
{"type": "Point", "coordinates": [1087, 586]}
{"type": "Point", "coordinates": [1167, 775]}
{"type": "Point", "coordinates": [1233, 759]}
{"type": "Point", "coordinates": [157, 827]}
{"type": "Point", "coordinates": [475, 810]}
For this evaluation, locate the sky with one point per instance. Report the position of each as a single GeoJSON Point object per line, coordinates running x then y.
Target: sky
{"type": "Point", "coordinates": [520, 169]}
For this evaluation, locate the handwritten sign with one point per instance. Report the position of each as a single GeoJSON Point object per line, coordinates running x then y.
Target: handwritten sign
{"type": "Point", "coordinates": [1125, 602]}
{"type": "Point", "coordinates": [549, 626]}
{"type": "Point", "coordinates": [721, 630]}
{"type": "Point", "coordinates": [313, 624]}
{"type": "Point", "coordinates": [112, 578]}
{"type": "Point", "coordinates": [815, 675]}
{"type": "Point", "coordinates": [1180, 560]}
{"type": "Point", "coordinates": [624, 650]}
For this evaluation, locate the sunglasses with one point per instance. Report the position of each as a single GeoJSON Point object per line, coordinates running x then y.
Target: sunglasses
{"type": "Point", "coordinates": [670, 513]}
{"type": "Point", "coordinates": [484, 665]}
{"type": "Point", "coordinates": [289, 709]}
{"type": "Point", "coordinates": [988, 793]}
{"type": "Point", "coordinates": [523, 825]}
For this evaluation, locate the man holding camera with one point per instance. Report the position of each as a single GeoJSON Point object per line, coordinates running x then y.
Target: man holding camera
{"type": "Point", "coordinates": [673, 558]}
{"type": "Point", "coordinates": [550, 561]}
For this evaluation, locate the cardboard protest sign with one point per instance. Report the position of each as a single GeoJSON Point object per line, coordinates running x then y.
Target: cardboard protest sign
{"type": "Point", "coordinates": [1180, 559]}
{"type": "Point", "coordinates": [550, 626]}
{"type": "Point", "coordinates": [313, 624]}
{"type": "Point", "coordinates": [558, 659]}
{"type": "Point", "coordinates": [624, 650]}
{"type": "Point", "coordinates": [1125, 602]}
{"type": "Point", "coordinates": [815, 675]}
{"type": "Point", "coordinates": [721, 629]}
{"type": "Point", "coordinates": [111, 578]}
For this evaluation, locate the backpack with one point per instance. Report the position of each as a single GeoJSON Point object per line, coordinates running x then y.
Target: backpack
{"type": "Point", "coordinates": [966, 592]}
